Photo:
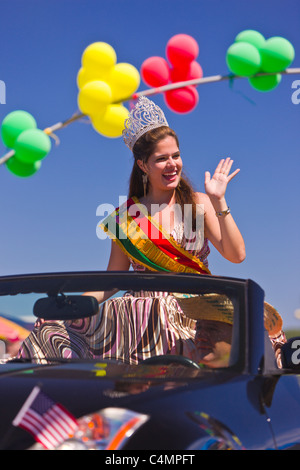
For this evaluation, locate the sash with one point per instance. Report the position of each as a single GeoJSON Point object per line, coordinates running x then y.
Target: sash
{"type": "Point", "coordinates": [146, 242]}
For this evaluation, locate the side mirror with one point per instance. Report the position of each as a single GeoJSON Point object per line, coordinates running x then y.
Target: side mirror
{"type": "Point", "coordinates": [290, 354]}
{"type": "Point", "coordinates": [62, 307]}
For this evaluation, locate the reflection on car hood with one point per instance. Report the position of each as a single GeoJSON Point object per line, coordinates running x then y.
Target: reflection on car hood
{"type": "Point", "coordinates": [85, 387]}
{"type": "Point", "coordinates": [102, 369]}
{"type": "Point", "coordinates": [123, 378]}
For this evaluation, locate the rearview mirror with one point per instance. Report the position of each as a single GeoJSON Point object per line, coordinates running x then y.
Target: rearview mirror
{"type": "Point", "coordinates": [66, 307]}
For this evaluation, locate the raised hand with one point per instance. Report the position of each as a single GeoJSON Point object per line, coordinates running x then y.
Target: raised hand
{"type": "Point", "coordinates": [215, 187]}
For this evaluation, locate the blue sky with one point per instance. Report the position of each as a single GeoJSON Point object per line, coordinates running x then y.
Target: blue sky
{"type": "Point", "coordinates": [48, 221]}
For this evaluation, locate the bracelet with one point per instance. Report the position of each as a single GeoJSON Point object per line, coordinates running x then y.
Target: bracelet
{"type": "Point", "coordinates": [223, 213]}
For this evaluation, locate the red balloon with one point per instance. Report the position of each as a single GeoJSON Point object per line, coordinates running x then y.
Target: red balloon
{"type": "Point", "coordinates": [181, 50]}
{"type": "Point", "coordinates": [182, 100]}
{"type": "Point", "coordinates": [155, 71]}
{"type": "Point", "coordinates": [193, 71]}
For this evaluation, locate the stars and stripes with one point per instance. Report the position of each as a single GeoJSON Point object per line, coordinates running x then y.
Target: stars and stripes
{"type": "Point", "coordinates": [48, 422]}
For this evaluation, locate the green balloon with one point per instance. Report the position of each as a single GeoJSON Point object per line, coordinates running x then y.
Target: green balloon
{"type": "Point", "coordinates": [276, 55]}
{"type": "Point", "coordinates": [252, 37]}
{"type": "Point", "coordinates": [265, 83]}
{"type": "Point", "coordinates": [18, 168]}
{"type": "Point", "coordinates": [15, 123]}
{"type": "Point", "coordinates": [32, 145]}
{"type": "Point", "coordinates": [243, 59]}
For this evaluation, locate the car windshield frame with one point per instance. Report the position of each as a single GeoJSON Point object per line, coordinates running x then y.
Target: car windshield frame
{"type": "Point", "coordinates": [74, 282]}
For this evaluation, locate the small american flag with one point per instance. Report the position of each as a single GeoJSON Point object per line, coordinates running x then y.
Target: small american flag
{"type": "Point", "coordinates": [48, 422]}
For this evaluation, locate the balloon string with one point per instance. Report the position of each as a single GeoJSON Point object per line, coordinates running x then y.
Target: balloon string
{"type": "Point", "coordinates": [238, 92]}
{"type": "Point", "coordinates": [204, 80]}
{"type": "Point", "coordinates": [173, 86]}
{"type": "Point", "coordinates": [49, 131]}
{"type": "Point", "coordinates": [153, 91]}
{"type": "Point", "coordinates": [60, 125]}
{"type": "Point", "coordinates": [51, 134]}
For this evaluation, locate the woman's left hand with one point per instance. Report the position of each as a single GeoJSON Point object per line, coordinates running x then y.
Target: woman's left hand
{"type": "Point", "coordinates": [215, 187]}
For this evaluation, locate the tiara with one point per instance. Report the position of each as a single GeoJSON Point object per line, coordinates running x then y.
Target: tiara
{"type": "Point", "coordinates": [145, 116]}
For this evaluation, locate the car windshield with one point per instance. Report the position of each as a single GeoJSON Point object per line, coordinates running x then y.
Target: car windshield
{"type": "Point", "coordinates": [139, 318]}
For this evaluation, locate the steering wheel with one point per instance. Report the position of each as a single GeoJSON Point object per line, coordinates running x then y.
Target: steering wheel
{"type": "Point", "coordinates": [167, 359]}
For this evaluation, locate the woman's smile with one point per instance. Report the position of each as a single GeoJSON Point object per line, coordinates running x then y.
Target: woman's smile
{"type": "Point", "coordinates": [165, 165]}
{"type": "Point", "coordinates": [170, 176]}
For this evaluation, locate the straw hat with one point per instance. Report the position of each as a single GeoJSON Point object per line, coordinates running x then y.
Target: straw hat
{"type": "Point", "coordinates": [216, 307]}
{"type": "Point", "coordinates": [272, 320]}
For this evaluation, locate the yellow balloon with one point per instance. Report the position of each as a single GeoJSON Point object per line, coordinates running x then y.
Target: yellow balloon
{"type": "Point", "coordinates": [111, 124]}
{"type": "Point", "coordinates": [124, 80]}
{"type": "Point", "coordinates": [94, 97]}
{"type": "Point", "coordinates": [98, 56]}
{"type": "Point", "coordinates": [84, 76]}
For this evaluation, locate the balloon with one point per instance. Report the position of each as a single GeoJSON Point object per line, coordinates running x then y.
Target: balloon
{"type": "Point", "coordinates": [265, 83]}
{"type": "Point", "coordinates": [276, 55]}
{"type": "Point", "coordinates": [193, 71]}
{"type": "Point", "coordinates": [243, 59]}
{"type": "Point", "coordinates": [181, 50]}
{"type": "Point", "coordinates": [155, 71]}
{"type": "Point", "coordinates": [252, 37]}
{"type": "Point", "coordinates": [86, 75]}
{"type": "Point", "coordinates": [18, 168]}
{"type": "Point", "coordinates": [98, 56]}
{"type": "Point", "coordinates": [124, 79]}
{"type": "Point", "coordinates": [82, 77]}
{"type": "Point", "coordinates": [15, 123]}
{"type": "Point", "coordinates": [32, 145]}
{"type": "Point", "coordinates": [182, 100]}
{"type": "Point", "coordinates": [94, 97]}
{"type": "Point", "coordinates": [112, 123]}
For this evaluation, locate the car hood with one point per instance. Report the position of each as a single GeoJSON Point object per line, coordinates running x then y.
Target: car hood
{"type": "Point", "coordinates": [86, 387]}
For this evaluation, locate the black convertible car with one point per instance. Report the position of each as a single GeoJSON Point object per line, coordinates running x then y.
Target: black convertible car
{"type": "Point", "coordinates": [235, 398]}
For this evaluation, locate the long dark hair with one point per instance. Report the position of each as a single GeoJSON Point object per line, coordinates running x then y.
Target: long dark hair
{"type": "Point", "coordinates": [142, 149]}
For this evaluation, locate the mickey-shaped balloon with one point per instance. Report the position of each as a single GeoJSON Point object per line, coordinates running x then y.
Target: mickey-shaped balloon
{"type": "Point", "coordinates": [181, 51]}
{"type": "Point", "coordinates": [252, 54]}
{"type": "Point", "coordinates": [103, 85]}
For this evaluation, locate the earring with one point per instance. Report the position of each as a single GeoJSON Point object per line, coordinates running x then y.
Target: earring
{"type": "Point", "coordinates": [145, 181]}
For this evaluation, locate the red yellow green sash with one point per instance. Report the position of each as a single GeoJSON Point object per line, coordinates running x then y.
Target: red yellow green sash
{"type": "Point", "coordinates": [146, 243]}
